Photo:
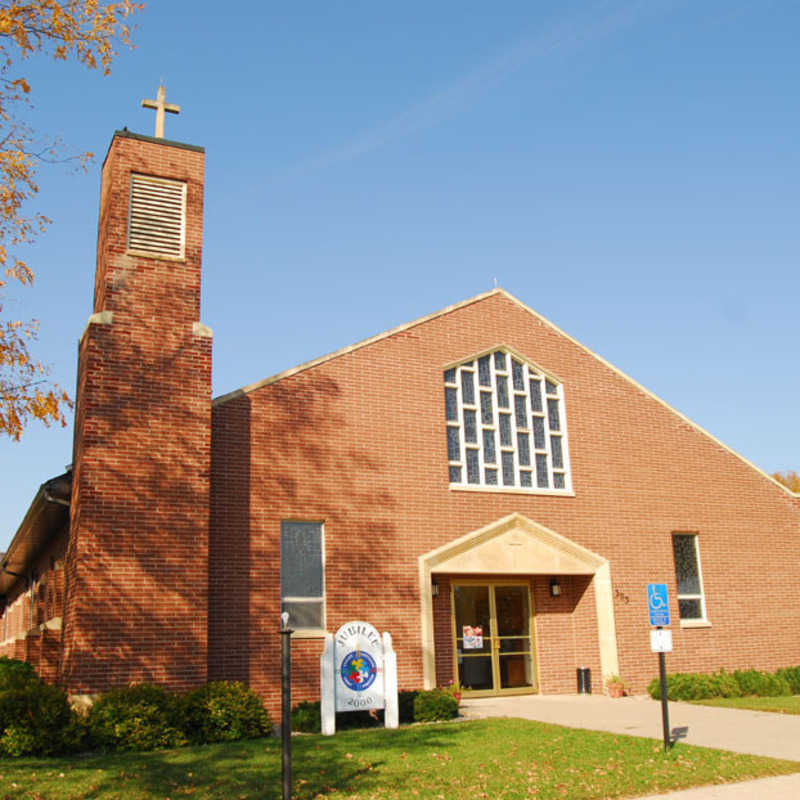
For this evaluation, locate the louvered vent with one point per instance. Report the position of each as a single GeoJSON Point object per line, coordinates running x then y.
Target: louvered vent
{"type": "Point", "coordinates": [157, 216]}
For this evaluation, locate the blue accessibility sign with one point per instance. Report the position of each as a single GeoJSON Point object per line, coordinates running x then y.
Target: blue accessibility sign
{"type": "Point", "coordinates": [658, 604]}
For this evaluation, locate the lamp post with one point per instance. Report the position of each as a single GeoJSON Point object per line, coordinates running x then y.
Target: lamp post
{"type": "Point", "coordinates": [286, 707]}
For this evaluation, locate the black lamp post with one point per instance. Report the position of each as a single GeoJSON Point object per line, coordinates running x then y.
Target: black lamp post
{"type": "Point", "coordinates": [286, 707]}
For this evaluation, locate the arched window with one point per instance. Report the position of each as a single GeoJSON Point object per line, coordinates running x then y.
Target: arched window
{"type": "Point", "coordinates": [506, 427]}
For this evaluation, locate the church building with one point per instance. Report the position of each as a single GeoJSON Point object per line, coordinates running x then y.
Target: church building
{"type": "Point", "coordinates": [476, 482]}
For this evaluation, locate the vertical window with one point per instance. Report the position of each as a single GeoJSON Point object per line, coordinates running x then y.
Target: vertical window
{"type": "Point", "coordinates": [302, 574]}
{"type": "Point", "coordinates": [507, 431]}
{"type": "Point", "coordinates": [691, 600]}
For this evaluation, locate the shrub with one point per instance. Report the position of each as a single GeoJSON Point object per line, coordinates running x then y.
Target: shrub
{"type": "Point", "coordinates": [696, 686]}
{"type": "Point", "coordinates": [15, 674]}
{"type": "Point", "coordinates": [35, 719]}
{"type": "Point", "coordinates": [306, 717]}
{"type": "Point", "coordinates": [792, 676]}
{"type": "Point", "coordinates": [225, 711]}
{"type": "Point", "coordinates": [683, 686]}
{"type": "Point", "coordinates": [434, 704]}
{"type": "Point", "coordinates": [761, 684]}
{"type": "Point", "coordinates": [405, 703]}
{"type": "Point", "coordinates": [141, 717]}
{"type": "Point", "coordinates": [723, 684]}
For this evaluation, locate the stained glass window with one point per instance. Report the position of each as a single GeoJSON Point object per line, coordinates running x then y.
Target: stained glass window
{"type": "Point", "coordinates": [691, 599]}
{"type": "Point", "coordinates": [486, 408]}
{"type": "Point", "coordinates": [451, 403]}
{"type": "Point", "coordinates": [488, 446]}
{"type": "Point", "coordinates": [473, 468]}
{"type": "Point", "coordinates": [502, 391]}
{"type": "Point", "coordinates": [453, 444]}
{"type": "Point", "coordinates": [484, 371]}
{"type": "Point", "coordinates": [302, 574]}
{"type": "Point", "coordinates": [468, 387]}
{"type": "Point", "coordinates": [511, 417]}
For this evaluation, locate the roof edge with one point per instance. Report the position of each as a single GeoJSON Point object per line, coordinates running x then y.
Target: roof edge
{"type": "Point", "coordinates": [224, 398]}
{"type": "Point", "coordinates": [477, 298]}
{"type": "Point", "coordinates": [646, 391]}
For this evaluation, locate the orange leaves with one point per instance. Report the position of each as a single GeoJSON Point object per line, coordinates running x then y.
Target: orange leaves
{"type": "Point", "coordinates": [790, 479]}
{"type": "Point", "coordinates": [83, 28]}
{"type": "Point", "coordinates": [22, 394]}
{"type": "Point", "coordinates": [87, 31]}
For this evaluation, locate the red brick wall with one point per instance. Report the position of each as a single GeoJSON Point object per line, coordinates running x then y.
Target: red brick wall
{"type": "Point", "coordinates": [137, 563]}
{"type": "Point", "coordinates": [359, 442]}
{"type": "Point", "coordinates": [23, 633]}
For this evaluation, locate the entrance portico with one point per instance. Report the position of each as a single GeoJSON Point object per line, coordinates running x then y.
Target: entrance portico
{"type": "Point", "coordinates": [512, 551]}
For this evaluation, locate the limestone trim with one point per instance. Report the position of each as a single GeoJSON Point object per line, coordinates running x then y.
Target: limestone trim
{"type": "Point", "coordinates": [309, 633]}
{"type": "Point", "coordinates": [99, 318]}
{"type": "Point", "coordinates": [52, 624]}
{"type": "Point", "coordinates": [349, 349]}
{"type": "Point", "coordinates": [198, 329]}
{"type": "Point", "coordinates": [83, 702]}
{"type": "Point", "coordinates": [695, 623]}
{"type": "Point", "coordinates": [516, 545]}
{"type": "Point", "coordinates": [510, 490]}
{"type": "Point", "coordinates": [646, 391]}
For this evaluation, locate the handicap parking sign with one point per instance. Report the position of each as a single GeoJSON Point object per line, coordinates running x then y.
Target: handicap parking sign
{"type": "Point", "coordinates": [658, 604]}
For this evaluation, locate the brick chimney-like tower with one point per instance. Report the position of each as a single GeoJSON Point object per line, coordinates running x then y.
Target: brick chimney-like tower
{"type": "Point", "coordinates": [137, 559]}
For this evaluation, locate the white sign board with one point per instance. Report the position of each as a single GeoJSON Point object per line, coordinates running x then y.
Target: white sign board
{"type": "Point", "coordinates": [358, 671]}
{"type": "Point", "coordinates": [661, 640]}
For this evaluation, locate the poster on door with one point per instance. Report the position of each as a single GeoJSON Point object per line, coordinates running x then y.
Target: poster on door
{"type": "Point", "coordinates": [473, 637]}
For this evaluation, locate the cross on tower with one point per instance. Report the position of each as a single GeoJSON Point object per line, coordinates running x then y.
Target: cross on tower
{"type": "Point", "coordinates": [160, 107]}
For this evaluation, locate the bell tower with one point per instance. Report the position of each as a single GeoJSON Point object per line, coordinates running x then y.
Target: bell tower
{"type": "Point", "coordinates": [137, 559]}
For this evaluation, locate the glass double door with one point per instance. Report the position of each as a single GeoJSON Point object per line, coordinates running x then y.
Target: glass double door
{"type": "Point", "coordinates": [493, 637]}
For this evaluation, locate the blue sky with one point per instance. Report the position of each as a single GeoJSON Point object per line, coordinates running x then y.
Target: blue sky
{"type": "Point", "coordinates": [628, 169]}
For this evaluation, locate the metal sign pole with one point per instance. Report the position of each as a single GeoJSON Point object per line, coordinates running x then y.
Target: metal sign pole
{"type": "Point", "coordinates": [661, 642]}
{"type": "Point", "coordinates": [286, 707]}
{"type": "Point", "coordinates": [662, 674]}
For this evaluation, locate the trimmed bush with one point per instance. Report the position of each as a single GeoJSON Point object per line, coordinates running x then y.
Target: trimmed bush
{"type": "Point", "coordinates": [761, 684]}
{"type": "Point", "coordinates": [723, 684]}
{"type": "Point", "coordinates": [306, 717]}
{"type": "Point", "coordinates": [792, 676]}
{"type": "Point", "coordinates": [225, 711]}
{"type": "Point", "coordinates": [683, 686]}
{"type": "Point", "coordinates": [405, 705]}
{"type": "Point", "coordinates": [15, 674]}
{"type": "Point", "coordinates": [35, 719]}
{"type": "Point", "coordinates": [141, 717]}
{"type": "Point", "coordinates": [433, 705]}
{"type": "Point", "coordinates": [697, 686]}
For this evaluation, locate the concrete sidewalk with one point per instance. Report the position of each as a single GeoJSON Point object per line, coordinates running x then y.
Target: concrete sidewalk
{"type": "Point", "coordinates": [756, 732]}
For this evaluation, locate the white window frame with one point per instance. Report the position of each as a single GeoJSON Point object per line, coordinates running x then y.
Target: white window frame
{"type": "Point", "coordinates": [301, 633]}
{"type": "Point", "coordinates": [530, 371]}
{"type": "Point", "coordinates": [702, 620]}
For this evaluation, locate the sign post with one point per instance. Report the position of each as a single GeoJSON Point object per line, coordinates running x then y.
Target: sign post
{"type": "Point", "coordinates": [660, 642]}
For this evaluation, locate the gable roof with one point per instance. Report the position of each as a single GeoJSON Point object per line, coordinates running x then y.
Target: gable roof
{"type": "Point", "coordinates": [476, 299]}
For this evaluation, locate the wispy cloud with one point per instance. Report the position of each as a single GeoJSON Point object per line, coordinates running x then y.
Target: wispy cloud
{"type": "Point", "coordinates": [560, 39]}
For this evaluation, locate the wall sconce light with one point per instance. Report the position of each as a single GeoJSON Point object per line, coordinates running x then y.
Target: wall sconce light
{"type": "Point", "coordinates": [434, 590]}
{"type": "Point", "coordinates": [555, 587]}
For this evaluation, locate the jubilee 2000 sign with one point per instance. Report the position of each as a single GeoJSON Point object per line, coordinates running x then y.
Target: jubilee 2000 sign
{"type": "Point", "coordinates": [358, 670]}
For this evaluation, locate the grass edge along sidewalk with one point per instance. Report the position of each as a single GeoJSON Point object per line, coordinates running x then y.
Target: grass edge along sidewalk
{"type": "Point", "coordinates": [786, 704]}
{"type": "Point", "coordinates": [485, 758]}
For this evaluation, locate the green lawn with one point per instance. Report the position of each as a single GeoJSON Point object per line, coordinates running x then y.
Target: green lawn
{"type": "Point", "coordinates": [501, 758]}
{"type": "Point", "coordinates": [780, 705]}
